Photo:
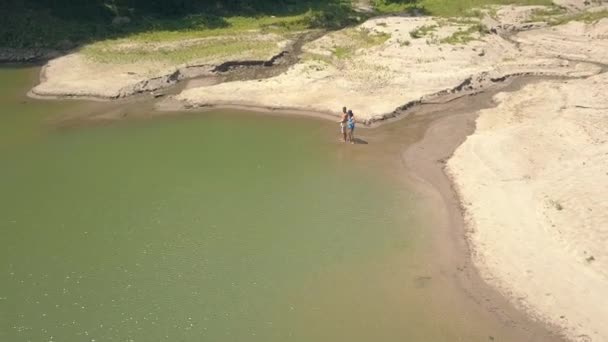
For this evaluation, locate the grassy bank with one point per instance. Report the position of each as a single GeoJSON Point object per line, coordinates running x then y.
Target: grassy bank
{"type": "Point", "coordinates": [242, 46]}
{"type": "Point", "coordinates": [350, 40]}
{"type": "Point", "coordinates": [587, 17]}
{"type": "Point", "coordinates": [447, 8]}
{"type": "Point", "coordinates": [32, 24]}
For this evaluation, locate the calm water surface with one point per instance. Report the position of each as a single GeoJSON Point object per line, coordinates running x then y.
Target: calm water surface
{"type": "Point", "coordinates": [211, 227]}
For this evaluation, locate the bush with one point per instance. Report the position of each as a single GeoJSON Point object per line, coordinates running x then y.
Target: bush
{"type": "Point", "coordinates": [333, 16]}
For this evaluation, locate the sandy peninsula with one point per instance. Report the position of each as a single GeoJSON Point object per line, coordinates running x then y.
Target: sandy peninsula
{"type": "Point", "coordinates": [96, 73]}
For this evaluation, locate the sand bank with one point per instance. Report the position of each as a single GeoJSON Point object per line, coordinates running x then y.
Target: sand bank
{"type": "Point", "coordinates": [533, 181]}
{"type": "Point", "coordinates": [80, 74]}
{"type": "Point", "coordinates": [386, 63]}
{"type": "Point", "coordinates": [376, 68]}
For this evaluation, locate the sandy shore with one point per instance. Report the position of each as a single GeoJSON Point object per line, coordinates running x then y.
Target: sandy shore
{"type": "Point", "coordinates": [532, 178]}
{"type": "Point", "coordinates": [533, 181]}
{"type": "Point", "coordinates": [376, 68]}
{"type": "Point", "coordinates": [79, 74]}
{"type": "Point", "coordinates": [376, 78]}
{"type": "Point", "coordinates": [424, 160]}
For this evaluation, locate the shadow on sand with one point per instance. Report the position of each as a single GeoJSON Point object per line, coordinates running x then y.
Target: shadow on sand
{"type": "Point", "coordinates": [359, 141]}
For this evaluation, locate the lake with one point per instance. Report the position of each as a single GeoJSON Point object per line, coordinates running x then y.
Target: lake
{"type": "Point", "coordinates": [216, 226]}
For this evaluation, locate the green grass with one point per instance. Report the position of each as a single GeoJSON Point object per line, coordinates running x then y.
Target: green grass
{"type": "Point", "coordinates": [214, 49]}
{"type": "Point", "coordinates": [317, 58]}
{"type": "Point", "coordinates": [422, 31]}
{"type": "Point", "coordinates": [395, 6]}
{"type": "Point", "coordinates": [452, 8]}
{"type": "Point", "coordinates": [342, 52]}
{"type": "Point", "coordinates": [365, 38]}
{"type": "Point", "coordinates": [587, 17]}
{"type": "Point", "coordinates": [447, 8]}
{"type": "Point", "coordinates": [353, 39]}
{"type": "Point", "coordinates": [232, 39]}
{"type": "Point", "coordinates": [234, 26]}
{"type": "Point", "coordinates": [464, 36]}
{"type": "Point", "coordinates": [234, 36]}
{"type": "Point", "coordinates": [546, 14]}
{"type": "Point", "coordinates": [34, 27]}
{"type": "Point", "coordinates": [347, 42]}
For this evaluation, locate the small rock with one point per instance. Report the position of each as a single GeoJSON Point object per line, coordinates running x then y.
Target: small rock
{"type": "Point", "coordinates": [118, 20]}
{"type": "Point", "coordinates": [590, 259]}
{"type": "Point", "coordinates": [65, 44]}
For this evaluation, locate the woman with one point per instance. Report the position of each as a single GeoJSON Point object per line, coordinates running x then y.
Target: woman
{"type": "Point", "coordinates": [351, 126]}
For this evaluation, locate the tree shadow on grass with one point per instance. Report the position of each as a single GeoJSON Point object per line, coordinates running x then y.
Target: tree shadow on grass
{"type": "Point", "coordinates": [46, 24]}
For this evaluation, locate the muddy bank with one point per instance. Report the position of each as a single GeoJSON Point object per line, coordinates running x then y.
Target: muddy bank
{"type": "Point", "coordinates": [10, 55]}
{"type": "Point", "coordinates": [444, 127]}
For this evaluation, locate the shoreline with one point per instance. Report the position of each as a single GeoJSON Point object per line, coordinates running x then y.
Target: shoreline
{"type": "Point", "coordinates": [434, 180]}
{"type": "Point", "coordinates": [457, 258]}
{"type": "Point", "coordinates": [426, 160]}
{"type": "Point", "coordinates": [549, 259]}
{"type": "Point", "coordinates": [478, 297]}
{"type": "Point", "coordinates": [541, 57]}
{"type": "Point", "coordinates": [468, 274]}
{"type": "Point", "coordinates": [427, 174]}
{"type": "Point", "coordinates": [382, 74]}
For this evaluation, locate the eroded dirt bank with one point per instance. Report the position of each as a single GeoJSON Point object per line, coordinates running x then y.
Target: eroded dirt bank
{"type": "Point", "coordinates": [95, 74]}
{"type": "Point", "coordinates": [387, 63]}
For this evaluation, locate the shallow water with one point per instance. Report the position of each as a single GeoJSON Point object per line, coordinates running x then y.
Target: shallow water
{"type": "Point", "coordinates": [213, 227]}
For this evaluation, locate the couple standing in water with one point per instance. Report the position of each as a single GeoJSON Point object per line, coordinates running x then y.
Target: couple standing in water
{"type": "Point", "coordinates": [347, 125]}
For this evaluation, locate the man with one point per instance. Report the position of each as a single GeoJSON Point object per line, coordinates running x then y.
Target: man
{"type": "Point", "coordinates": [343, 122]}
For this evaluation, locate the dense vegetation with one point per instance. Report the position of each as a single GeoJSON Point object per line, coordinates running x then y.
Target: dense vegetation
{"type": "Point", "coordinates": [66, 23]}
{"type": "Point", "coordinates": [447, 8]}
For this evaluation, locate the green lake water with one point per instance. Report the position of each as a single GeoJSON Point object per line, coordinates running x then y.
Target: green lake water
{"type": "Point", "coordinates": [210, 227]}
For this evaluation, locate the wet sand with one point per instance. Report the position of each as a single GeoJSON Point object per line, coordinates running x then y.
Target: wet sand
{"type": "Point", "coordinates": [425, 140]}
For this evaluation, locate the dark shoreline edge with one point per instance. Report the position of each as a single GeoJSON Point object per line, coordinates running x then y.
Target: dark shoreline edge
{"type": "Point", "coordinates": [425, 162]}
